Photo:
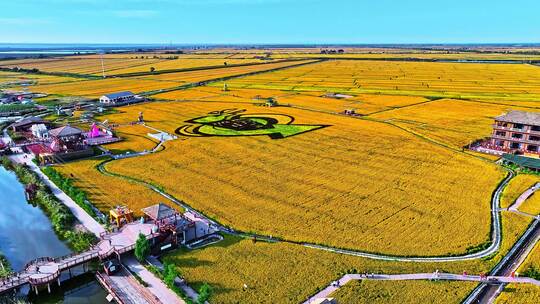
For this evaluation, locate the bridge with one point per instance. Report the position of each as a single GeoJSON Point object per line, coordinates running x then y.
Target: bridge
{"type": "Point", "coordinates": [46, 270]}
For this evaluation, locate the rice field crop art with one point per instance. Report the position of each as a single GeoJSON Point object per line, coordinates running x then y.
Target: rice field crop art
{"type": "Point", "coordinates": [234, 122]}
{"type": "Point", "coordinates": [356, 184]}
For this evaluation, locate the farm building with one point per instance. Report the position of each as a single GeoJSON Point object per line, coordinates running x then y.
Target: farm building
{"type": "Point", "coordinates": [25, 124]}
{"type": "Point", "coordinates": [516, 132]}
{"type": "Point", "coordinates": [119, 98]}
{"type": "Point", "coordinates": [40, 131]}
{"type": "Point", "coordinates": [60, 144]}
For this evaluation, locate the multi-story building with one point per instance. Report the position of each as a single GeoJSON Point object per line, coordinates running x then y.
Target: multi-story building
{"type": "Point", "coordinates": [516, 132]}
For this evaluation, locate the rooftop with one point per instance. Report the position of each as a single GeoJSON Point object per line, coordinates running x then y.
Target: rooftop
{"type": "Point", "coordinates": [159, 211]}
{"type": "Point", "coordinates": [526, 118]}
{"type": "Point", "coordinates": [65, 131]}
{"type": "Point", "coordinates": [522, 161]}
{"type": "Point", "coordinates": [119, 94]}
{"type": "Point", "coordinates": [28, 121]}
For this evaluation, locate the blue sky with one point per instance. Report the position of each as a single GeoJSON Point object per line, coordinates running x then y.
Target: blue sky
{"type": "Point", "coordinates": [269, 21]}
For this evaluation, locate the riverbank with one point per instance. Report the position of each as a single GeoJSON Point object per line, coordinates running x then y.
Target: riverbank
{"type": "Point", "coordinates": [63, 222]}
{"type": "Point", "coordinates": [5, 267]}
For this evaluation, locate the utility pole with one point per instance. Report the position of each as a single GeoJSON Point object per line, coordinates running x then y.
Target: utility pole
{"type": "Point", "coordinates": [102, 66]}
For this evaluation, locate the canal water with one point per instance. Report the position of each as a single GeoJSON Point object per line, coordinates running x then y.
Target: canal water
{"type": "Point", "coordinates": [26, 234]}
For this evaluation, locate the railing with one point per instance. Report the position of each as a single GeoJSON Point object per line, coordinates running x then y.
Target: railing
{"type": "Point", "coordinates": [44, 280]}
{"type": "Point", "coordinates": [79, 260]}
{"type": "Point", "coordinates": [507, 128]}
{"type": "Point", "coordinates": [13, 281]}
{"type": "Point", "coordinates": [518, 140]}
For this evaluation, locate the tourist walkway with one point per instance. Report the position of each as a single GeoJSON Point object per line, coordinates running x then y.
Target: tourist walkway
{"type": "Point", "coordinates": [47, 269]}
{"type": "Point", "coordinates": [155, 285]}
{"type": "Point", "coordinates": [86, 220]}
{"type": "Point", "coordinates": [327, 292]}
{"type": "Point", "coordinates": [120, 242]}
{"type": "Point", "coordinates": [523, 197]}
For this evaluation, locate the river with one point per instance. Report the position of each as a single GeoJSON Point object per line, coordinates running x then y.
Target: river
{"type": "Point", "coordinates": [26, 234]}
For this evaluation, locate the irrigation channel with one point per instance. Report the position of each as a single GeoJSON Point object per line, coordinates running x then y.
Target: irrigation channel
{"type": "Point", "coordinates": [26, 234]}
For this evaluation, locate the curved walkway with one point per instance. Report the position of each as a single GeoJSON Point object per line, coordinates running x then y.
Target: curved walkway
{"type": "Point", "coordinates": [496, 234]}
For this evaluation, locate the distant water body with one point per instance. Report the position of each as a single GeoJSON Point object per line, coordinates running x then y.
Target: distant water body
{"type": "Point", "coordinates": [36, 49]}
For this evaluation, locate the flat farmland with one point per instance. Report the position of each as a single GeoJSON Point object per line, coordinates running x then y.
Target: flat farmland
{"type": "Point", "coordinates": [516, 187]}
{"type": "Point", "coordinates": [519, 293]}
{"type": "Point", "coordinates": [75, 65]}
{"type": "Point", "coordinates": [106, 192]}
{"type": "Point", "coordinates": [331, 186]}
{"type": "Point", "coordinates": [185, 63]}
{"type": "Point", "coordinates": [361, 103]}
{"type": "Point", "coordinates": [196, 76]}
{"type": "Point", "coordinates": [134, 139]}
{"type": "Point", "coordinates": [454, 80]}
{"type": "Point", "coordinates": [455, 122]}
{"type": "Point", "coordinates": [13, 79]}
{"type": "Point", "coordinates": [403, 292]}
{"type": "Point", "coordinates": [266, 267]}
{"type": "Point", "coordinates": [96, 88]}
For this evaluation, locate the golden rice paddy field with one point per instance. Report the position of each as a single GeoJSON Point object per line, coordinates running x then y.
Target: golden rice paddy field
{"type": "Point", "coordinates": [126, 63]}
{"type": "Point", "coordinates": [78, 65]}
{"type": "Point", "coordinates": [454, 122]}
{"type": "Point", "coordinates": [516, 187]}
{"type": "Point", "coordinates": [96, 88]}
{"type": "Point", "coordinates": [185, 63]}
{"type": "Point", "coordinates": [196, 76]}
{"type": "Point", "coordinates": [361, 103]}
{"type": "Point", "coordinates": [453, 80]}
{"type": "Point", "coordinates": [531, 205]}
{"type": "Point", "coordinates": [405, 55]}
{"type": "Point", "coordinates": [403, 292]}
{"type": "Point", "coordinates": [134, 139]}
{"type": "Point", "coordinates": [106, 192]}
{"type": "Point", "coordinates": [286, 273]}
{"type": "Point", "coordinates": [12, 79]}
{"type": "Point", "coordinates": [331, 185]}
{"type": "Point", "coordinates": [518, 293]}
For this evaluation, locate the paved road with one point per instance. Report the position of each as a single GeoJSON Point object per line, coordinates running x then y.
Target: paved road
{"type": "Point", "coordinates": [486, 293]}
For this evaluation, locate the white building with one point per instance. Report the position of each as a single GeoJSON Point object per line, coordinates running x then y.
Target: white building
{"type": "Point", "coordinates": [40, 131]}
{"type": "Point", "coordinates": [120, 97]}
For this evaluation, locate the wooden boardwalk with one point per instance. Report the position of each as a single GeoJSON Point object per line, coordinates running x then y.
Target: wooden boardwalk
{"type": "Point", "coordinates": [43, 271]}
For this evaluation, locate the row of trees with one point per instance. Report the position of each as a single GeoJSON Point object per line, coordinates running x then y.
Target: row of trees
{"type": "Point", "coordinates": [62, 219]}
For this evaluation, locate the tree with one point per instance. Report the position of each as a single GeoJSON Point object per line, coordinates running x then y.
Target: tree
{"type": "Point", "coordinates": [142, 248]}
{"type": "Point", "coordinates": [152, 69]}
{"type": "Point", "coordinates": [205, 291]}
